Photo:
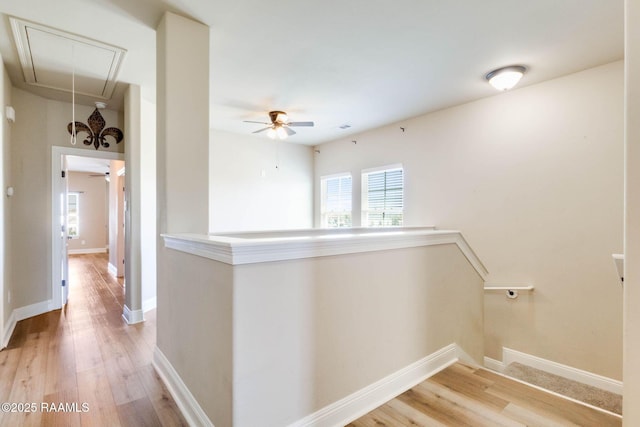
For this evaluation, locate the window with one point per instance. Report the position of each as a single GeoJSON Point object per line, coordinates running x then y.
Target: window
{"type": "Point", "coordinates": [383, 196]}
{"type": "Point", "coordinates": [336, 201]}
{"type": "Point", "coordinates": [73, 215]}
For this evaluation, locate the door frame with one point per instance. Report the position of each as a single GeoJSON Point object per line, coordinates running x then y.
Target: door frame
{"type": "Point", "coordinates": [57, 186]}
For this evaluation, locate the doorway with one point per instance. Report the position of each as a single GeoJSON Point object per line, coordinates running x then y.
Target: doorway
{"type": "Point", "coordinates": [94, 171]}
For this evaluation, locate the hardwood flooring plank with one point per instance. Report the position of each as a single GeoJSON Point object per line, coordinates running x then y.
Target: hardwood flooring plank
{"type": "Point", "coordinates": [462, 380]}
{"type": "Point", "coordinates": [381, 417]}
{"type": "Point", "coordinates": [480, 410]}
{"type": "Point", "coordinates": [87, 350]}
{"type": "Point", "coordinates": [546, 403]}
{"type": "Point", "coordinates": [56, 415]}
{"type": "Point", "coordinates": [28, 384]}
{"type": "Point", "coordinates": [409, 416]}
{"type": "Point", "coordinates": [533, 419]}
{"type": "Point", "coordinates": [95, 390]}
{"type": "Point", "coordinates": [9, 360]}
{"type": "Point", "coordinates": [60, 373]}
{"type": "Point", "coordinates": [86, 353]}
{"type": "Point", "coordinates": [160, 398]}
{"type": "Point", "coordinates": [126, 386]}
{"type": "Point", "coordinates": [463, 395]}
{"type": "Point", "coordinates": [138, 413]}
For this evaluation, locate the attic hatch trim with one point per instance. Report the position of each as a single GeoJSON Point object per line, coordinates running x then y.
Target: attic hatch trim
{"type": "Point", "coordinates": [20, 30]}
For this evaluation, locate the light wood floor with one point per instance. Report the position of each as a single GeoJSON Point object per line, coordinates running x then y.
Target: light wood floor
{"type": "Point", "coordinates": [87, 354]}
{"type": "Point", "coordinates": [464, 396]}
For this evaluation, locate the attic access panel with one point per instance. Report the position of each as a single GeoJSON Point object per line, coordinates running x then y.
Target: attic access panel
{"type": "Point", "coordinates": [49, 58]}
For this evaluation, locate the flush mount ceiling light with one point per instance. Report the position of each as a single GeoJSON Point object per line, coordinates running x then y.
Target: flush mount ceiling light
{"type": "Point", "coordinates": [505, 78]}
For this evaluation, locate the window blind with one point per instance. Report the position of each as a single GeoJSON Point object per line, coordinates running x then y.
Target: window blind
{"type": "Point", "coordinates": [336, 202]}
{"type": "Point", "coordinates": [384, 198]}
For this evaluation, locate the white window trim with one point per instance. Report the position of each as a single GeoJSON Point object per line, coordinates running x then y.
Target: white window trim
{"type": "Point", "coordinates": [391, 167]}
{"type": "Point", "coordinates": [77, 214]}
{"type": "Point", "coordinates": [323, 192]}
{"type": "Point", "coordinates": [364, 211]}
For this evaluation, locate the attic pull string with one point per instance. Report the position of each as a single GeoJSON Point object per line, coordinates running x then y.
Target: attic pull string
{"type": "Point", "coordinates": [73, 95]}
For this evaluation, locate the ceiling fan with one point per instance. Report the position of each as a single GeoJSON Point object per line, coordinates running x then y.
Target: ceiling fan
{"type": "Point", "coordinates": [280, 126]}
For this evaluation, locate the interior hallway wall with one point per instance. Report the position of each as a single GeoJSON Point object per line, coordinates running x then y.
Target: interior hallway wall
{"type": "Point", "coordinates": [40, 124]}
{"type": "Point", "coordinates": [5, 202]}
{"type": "Point", "coordinates": [631, 395]}
{"type": "Point", "coordinates": [116, 219]}
{"type": "Point", "coordinates": [148, 204]}
{"type": "Point", "coordinates": [534, 180]}
{"type": "Point", "coordinates": [92, 213]}
{"type": "Point", "coordinates": [259, 183]}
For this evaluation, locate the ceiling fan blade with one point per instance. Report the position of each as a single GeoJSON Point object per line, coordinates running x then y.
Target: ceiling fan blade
{"type": "Point", "coordinates": [300, 124]}
{"type": "Point", "coordinates": [289, 131]}
{"type": "Point", "coordinates": [252, 121]}
{"type": "Point", "coordinates": [262, 130]}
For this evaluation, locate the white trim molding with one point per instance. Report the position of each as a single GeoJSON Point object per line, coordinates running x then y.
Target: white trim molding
{"type": "Point", "coordinates": [250, 248]}
{"type": "Point", "coordinates": [510, 356]}
{"type": "Point", "coordinates": [87, 251]}
{"type": "Point", "coordinates": [188, 405]}
{"type": "Point", "coordinates": [132, 316]}
{"type": "Point", "coordinates": [341, 412]}
{"type": "Point", "coordinates": [8, 329]}
{"type": "Point", "coordinates": [365, 400]}
{"type": "Point", "coordinates": [57, 188]}
{"type": "Point", "coordinates": [112, 269]}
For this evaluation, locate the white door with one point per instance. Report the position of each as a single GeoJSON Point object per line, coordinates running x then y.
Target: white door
{"type": "Point", "coordinates": [64, 234]}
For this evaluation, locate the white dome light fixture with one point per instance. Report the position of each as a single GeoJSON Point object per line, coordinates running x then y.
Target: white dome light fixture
{"type": "Point", "coordinates": [505, 78]}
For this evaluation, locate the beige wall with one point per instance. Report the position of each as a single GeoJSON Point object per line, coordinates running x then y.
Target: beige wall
{"type": "Point", "coordinates": [631, 398]}
{"type": "Point", "coordinates": [195, 328]}
{"type": "Point", "coordinates": [5, 202]}
{"type": "Point", "coordinates": [534, 180]}
{"type": "Point", "coordinates": [116, 218]}
{"type": "Point", "coordinates": [247, 190]}
{"type": "Point", "coordinates": [93, 211]}
{"type": "Point", "coordinates": [40, 124]}
{"type": "Point", "coordinates": [310, 332]}
{"type": "Point", "coordinates": [278, 341]}
{"type": "Point", "coordinates": [148, 203]}
{"type": "Point", "coordinates": [182, 150]}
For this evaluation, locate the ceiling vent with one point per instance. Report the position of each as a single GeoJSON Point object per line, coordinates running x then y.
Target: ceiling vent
{"type": "Point", "coordinates": [49, 57]}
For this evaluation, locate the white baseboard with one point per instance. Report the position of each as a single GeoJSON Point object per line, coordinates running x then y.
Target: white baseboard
{"type": "Point", "coordinates": [87, 251]}
{"type": "Point", "coordinates": [149, 304]}
{"type": "Point", "coordinates": [132, 316]}
{"type": "Point", "coordinates": [22, 313]}
{"type": "Point", "coordinates": [362, 401]}
{"type": "Point", "coordinates": [112, 269]}
{"type": "Point", "coordinates": [584, 377]}
{"type": "Point", "coordinates": [191, 410]}
{"type": "Point", "coordinates": [8, 329]}
{"type": "Point", "coordinates": [493, 364]}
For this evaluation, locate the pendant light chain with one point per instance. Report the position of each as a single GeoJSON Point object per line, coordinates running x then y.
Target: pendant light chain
{"type": "Point", "coordinates": [73, 95]}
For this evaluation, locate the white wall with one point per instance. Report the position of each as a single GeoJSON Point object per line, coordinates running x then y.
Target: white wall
{"type": "Point", "coordinates": [93, 211]}
{"type": "Point", "coordinates": [534, 180]}
{"type": "Point", "coordinates": [259, 184]}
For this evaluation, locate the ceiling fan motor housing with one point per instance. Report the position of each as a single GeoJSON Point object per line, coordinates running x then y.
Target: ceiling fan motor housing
{"type": "Point", "coordinates": [273, 115]}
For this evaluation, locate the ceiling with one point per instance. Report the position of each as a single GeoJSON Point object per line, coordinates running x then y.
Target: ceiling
{"type": "Point", "coordinates": [362, 63]}
{"type": "Point", "coordinates": [87, 164]}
